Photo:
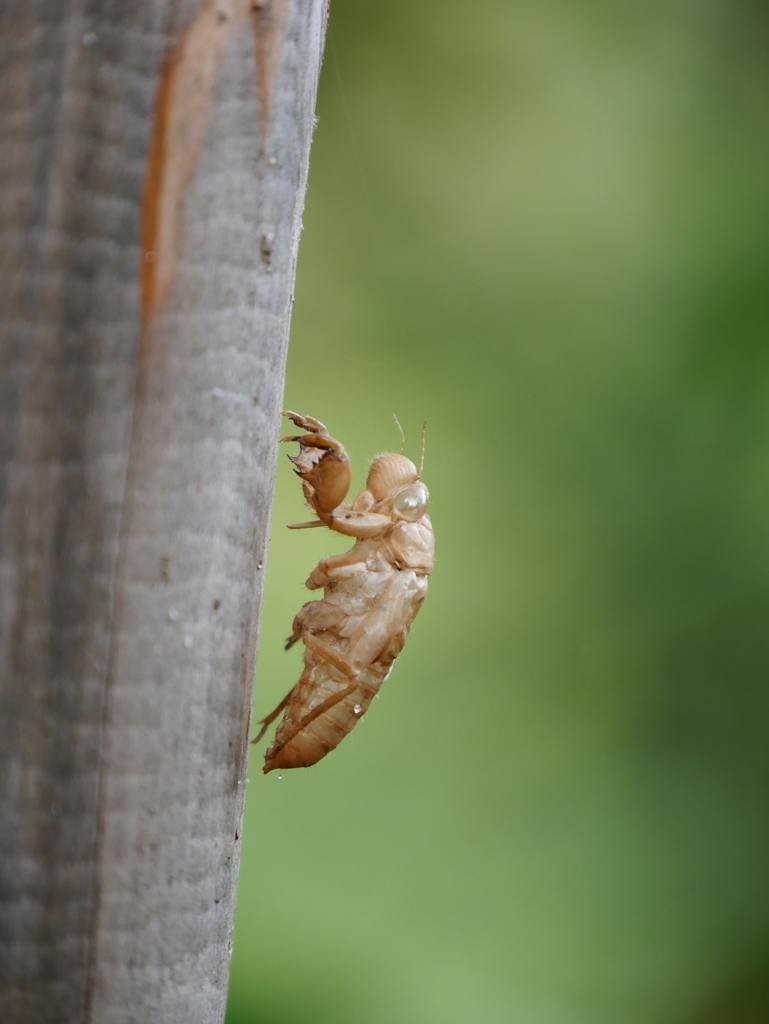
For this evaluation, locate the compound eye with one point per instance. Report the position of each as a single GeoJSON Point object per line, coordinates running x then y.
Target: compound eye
{"type": "Point", "coordinates": [411, 503]}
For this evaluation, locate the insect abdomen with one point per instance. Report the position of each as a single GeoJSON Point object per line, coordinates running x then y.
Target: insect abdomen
{"type": "Point", "coordinates": [302, 740]}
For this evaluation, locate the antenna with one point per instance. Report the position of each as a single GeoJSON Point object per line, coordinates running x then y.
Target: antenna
{"type": "Point", "coordinates": [422, 460]}
{"type": "Point", "coordinates": [403, 436]}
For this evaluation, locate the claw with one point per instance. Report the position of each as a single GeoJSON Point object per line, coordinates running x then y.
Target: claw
{"type": "Point", "coordinates": [313, 440]}
{"type": "Point", "coordinates": [307, 422]}
{"type": "Point", "coordinates": [322, 464]}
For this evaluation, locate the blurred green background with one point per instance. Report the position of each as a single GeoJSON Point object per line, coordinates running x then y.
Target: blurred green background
{"type": "Point", "coordinates": [544, 227]}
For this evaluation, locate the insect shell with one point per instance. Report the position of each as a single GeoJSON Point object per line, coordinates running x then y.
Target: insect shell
{"type": "Point", "coordinates": [371, 593]}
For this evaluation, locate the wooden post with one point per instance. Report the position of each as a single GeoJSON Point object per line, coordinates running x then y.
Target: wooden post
{"type": "Point", "coordinates": [154, 160]}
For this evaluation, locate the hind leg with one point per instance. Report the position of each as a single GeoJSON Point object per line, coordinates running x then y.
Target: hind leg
{"type": "Point", "coordinates": [266, 722]}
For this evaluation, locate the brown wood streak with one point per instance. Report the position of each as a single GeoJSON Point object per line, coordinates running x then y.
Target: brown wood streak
{"type": "Point", "coordinates": [269, 23]}
{"type": "Point", "coordinates": [182, 114]}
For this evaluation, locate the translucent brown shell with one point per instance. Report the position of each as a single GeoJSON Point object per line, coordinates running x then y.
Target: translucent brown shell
{"type": "Point", "coordinates": [371, 593]}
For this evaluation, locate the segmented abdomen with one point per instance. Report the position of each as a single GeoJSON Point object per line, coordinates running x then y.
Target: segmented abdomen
{"type": "Point", "coordinates": [299, 745]}
{"type": "Point", "coordinates": [315, 721]}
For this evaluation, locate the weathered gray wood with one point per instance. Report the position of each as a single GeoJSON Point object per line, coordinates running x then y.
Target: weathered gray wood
{"type": "Point", "coordinates": [154, 158]}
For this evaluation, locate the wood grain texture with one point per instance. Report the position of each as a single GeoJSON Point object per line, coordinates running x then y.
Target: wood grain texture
{"type": "Point", "coordinates": [138, 430]}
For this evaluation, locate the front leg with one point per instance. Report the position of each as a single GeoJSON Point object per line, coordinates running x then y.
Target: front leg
{"type": "Point", "coordinates": [361, 525]}
{"type": "Point", "coordinates": [322, 464]}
